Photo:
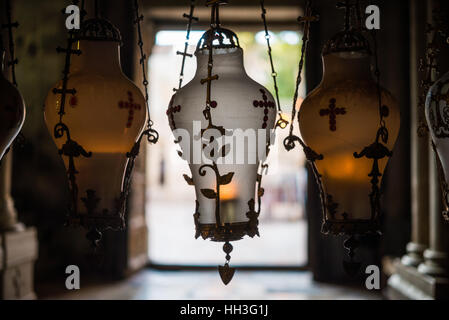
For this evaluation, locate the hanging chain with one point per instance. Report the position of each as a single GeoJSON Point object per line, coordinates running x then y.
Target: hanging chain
{"type": "Point", "coordinates": [383, 110]}
{"type": "Point", "coordinates": [281, 123]}
{"type": "Point", "coordinates": [184, 54]}
{"type": "Point", "coordinates": [289, 142]}
{"type": "Point", "coordinates": [152, 135]}
{"type": "Point", "coordinates": [13, 61]}
{"type": "Point", "coordinates": [71, 149]}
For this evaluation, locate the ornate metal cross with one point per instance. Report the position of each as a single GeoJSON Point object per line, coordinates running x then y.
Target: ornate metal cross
{"type": "Point", "coordinates": [332, 112]}
{"type": "Point", "coordinates": [170, 113]}
{"type": "Point", "coordinates": [264, 104]}
{"type": "Point", "coordinates": [130, 105]}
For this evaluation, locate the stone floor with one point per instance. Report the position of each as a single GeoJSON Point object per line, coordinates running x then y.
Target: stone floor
{"type": "Point", "coordinates": [187, 285]}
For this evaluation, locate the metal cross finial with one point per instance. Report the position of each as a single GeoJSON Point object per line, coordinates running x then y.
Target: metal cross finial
{"type": "Point", "coordinates": [307, 19]}
{"type": "Point", "coordinates": [347, 5]}
{"type": "Point", "coordinates": [215, 17]}
{"type": "Point", "coordinates": [216, 2]}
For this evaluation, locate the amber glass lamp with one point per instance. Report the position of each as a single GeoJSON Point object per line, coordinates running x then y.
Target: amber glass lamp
{"type": "Point", "coordinates": [103, 115]}
{"type": "Point", "coordinates": [350, 124]}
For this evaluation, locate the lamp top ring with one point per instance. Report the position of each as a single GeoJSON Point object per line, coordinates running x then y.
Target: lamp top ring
{"type": "Point", "coordinates": [98, 29]}
{"type": "Point", "coordinates": [221, 38]}
{"type": "Point", "coordinates": [347, 41]}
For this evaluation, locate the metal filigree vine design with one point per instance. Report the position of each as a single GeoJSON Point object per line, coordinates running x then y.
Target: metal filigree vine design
{"type": "Point", "coordinates": [439, 119]}
{"type": "Point", "coordinates": [443, 184]}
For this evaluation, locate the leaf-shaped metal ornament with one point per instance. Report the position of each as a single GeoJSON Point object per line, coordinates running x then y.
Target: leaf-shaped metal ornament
{"type": "Point", "coordinates": [209, 193]}
{"type": "Point", "coordinates": [226, 273]}
{"type": "Point", "coordinates": [226, 179]}
{"type": "Point", "coordinates": [188, 180]}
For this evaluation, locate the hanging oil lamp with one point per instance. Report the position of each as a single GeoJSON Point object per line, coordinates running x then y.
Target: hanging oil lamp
{"type": "Point", "coordinates": [220, 100]}
{"type": "Point", "coordinates": [349, 125]}
{"type": "Point", "coordinates": [96, 115]}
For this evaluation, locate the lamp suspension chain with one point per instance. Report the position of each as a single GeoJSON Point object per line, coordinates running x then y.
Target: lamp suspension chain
{"type": "Point", "coordinates": [383, 110]}
{"type": "Point", "coordinates": [71, 148]}
{"type": "Point", "coordinates": [152, 134]}
{"type": "Point", "coordinates": [281, 123]}
{"type": "Point", "coordinates": [13, 61]}
{"type": "Point", "coordinates": [225, 271]}
{"type": "Point", "coordinates": [191, 18]}
{"type": "Point", "coordinates": [289, 142]}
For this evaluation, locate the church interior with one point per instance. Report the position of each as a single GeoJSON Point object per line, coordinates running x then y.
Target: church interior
{"type": "Point", "coordinates": [118, 119]}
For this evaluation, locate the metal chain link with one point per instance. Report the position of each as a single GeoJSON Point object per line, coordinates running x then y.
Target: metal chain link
{"type": "Point", "coordinates": [186, 44]}
{"type": "Point", "coordinates": [383, 110]}
{"type": "Point", "coordinates": [153, 135]}
{"type": "Point", "coordinates": [13, 61]}
{"type": "Point", "coordinates": [289, 142]}
{"type": "Point", "coordinates": [281, 123]}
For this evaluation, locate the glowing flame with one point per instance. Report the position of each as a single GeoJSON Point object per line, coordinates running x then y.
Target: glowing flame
{"type": "Point", "coordinates": [228, 192]}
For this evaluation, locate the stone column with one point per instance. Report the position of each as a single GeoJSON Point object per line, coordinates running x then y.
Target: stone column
{"type": "Point", "coordinates": [8, 214]}
{"type": "Point", "coordinates": [436, 257]}
{"type": "Point", "coordinates": [419, 147]}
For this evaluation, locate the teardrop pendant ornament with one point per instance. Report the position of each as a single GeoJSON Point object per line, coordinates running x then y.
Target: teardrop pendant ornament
{"type": "Point", "coordinates": [226, 272]}
{"type": "Point", "coordinates": [351, 267]}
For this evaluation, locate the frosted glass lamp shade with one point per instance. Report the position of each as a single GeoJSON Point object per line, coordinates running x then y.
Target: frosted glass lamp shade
{"type": "Point", "coordinates": [239, 104]}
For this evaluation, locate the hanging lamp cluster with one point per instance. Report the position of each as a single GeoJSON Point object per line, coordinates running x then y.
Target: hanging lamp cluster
{"type": "Point", "coordinates": [12, 105]}
{"type": "Point", "coordinates": [349, 124]}
{"type": "Point", "coordinates": [97, 118]}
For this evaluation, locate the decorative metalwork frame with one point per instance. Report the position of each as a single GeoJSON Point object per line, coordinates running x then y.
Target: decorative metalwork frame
{"type": "Point", "coordinates": [97, 220]}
